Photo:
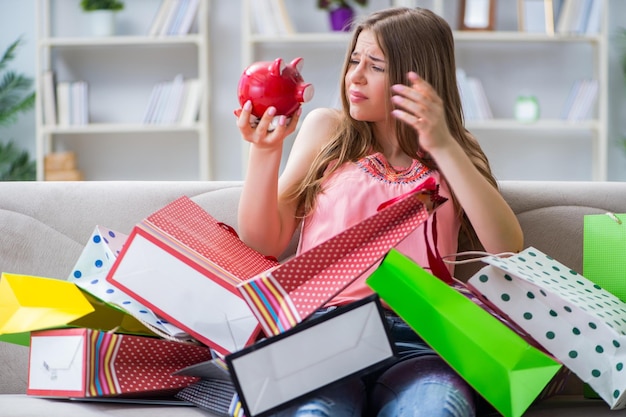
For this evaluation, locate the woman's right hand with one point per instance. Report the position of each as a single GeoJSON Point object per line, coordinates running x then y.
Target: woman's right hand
{"type": "Point", "coordinates": [264, 135]}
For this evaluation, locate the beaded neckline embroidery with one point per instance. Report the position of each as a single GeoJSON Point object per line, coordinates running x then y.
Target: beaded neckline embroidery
{"type": "Point", "coordinates": [377, 166]}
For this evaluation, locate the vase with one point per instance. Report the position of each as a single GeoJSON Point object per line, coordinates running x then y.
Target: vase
{"type": "Point", "coordinates": [102, 22]}
{"type": "Point", "coordinates": [341, 18]}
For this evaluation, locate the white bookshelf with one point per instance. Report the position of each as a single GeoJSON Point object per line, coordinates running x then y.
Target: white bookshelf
{"type": "Point", "coordinates": [121, 71]}
{"type": "Point", "coordinates": [546, 71]}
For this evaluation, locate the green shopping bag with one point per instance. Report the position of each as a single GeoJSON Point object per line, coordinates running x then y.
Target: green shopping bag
{"type": "Point", "coordinates": [604, 246]}
{"type": "Point", "coordinates": [604, 250]}
{"type": "Point", "coordinates": [497, 362]}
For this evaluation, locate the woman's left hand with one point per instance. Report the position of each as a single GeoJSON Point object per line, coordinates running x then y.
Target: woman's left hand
{"type": "Point", "coordinates": [420, 106]}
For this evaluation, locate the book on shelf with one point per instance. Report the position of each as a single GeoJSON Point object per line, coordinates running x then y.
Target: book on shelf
{"type": "Point", "coordinates": [78, 103]}
{"type": "Point", "coordinates": [580, 101]}
{"type": "Point", "coordinates": [160, 16]}
{"type": "Point", "coordinates": [158, 106]}
{"type": "Point", "coordinates": [191, 102]}
{"type": "Point", "coordinates": [594, 19]}
{"type": "Point", "coordinates": [578, 17]}
{"type": "Point", "coordinates": [171, 111]}
{"type": "Point", "coordinates": [169, 17]}
{"type": "Point", "coordinates": [271, 17]}
{"type": "Point", "coordinates": [63, 102]}
{"type": "Point", "coordinates": [174, 102]}
{"type": "Point", "coordinates": [49, 99]}
{"type": "Point", "coordinates": [174, 18]}
{"type": "Point", "coordinates": [72, 103]}
{"type": "Point", "coordinates": [188, 18]}
{"type": "Point", "coordinates": [473, 97]}
{"type": "Point", "coordinates": [172, 28]}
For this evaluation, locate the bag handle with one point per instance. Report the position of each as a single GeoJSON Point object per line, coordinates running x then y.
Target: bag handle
{"type": "Point", "coordinates": [429, 185]}
{"type": "Point", "coordinates": [437, 266]}
{"type": "Point", "coordinates": [479, 256]}
{"type": "Point", "coordinates": [435, 261]}
{"type": "Point", "coordinates": [233, 232]}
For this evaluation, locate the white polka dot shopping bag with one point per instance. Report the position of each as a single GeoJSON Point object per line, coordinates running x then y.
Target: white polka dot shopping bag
{"type": "Point", "coordinates": [83, 363]}
{"type": "Point", "coordinates": [284, 296]}
{"type": "Point", "coordinates": [577, 321]}
{"type": "Point", "coordinates": [91, 269]}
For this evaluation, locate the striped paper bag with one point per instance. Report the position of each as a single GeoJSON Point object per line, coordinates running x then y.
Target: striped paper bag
{"type": "Point", "coordinates": [83, 363]}
{"type": "Point", "coordinates": [285, 295]}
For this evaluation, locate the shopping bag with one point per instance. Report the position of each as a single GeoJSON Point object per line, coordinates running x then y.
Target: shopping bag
{"type": "Point", "coordinates": [497, 362]}
{"type": "Point", "coordinates": [91, 269]}
{"type": "Point", "coordinates": [185, 265]}
{"type": "Point", "coordinates": [215, 392]}
{"type": "Point", "coordinates": [89, 363]}
{"type": "Point", "coordinates": [577, 321]}
{"type": "Point", "coordinates": [285, 295]}
{"type": "Point", "coordinates": [214, 395]}
{"type": "Point", "coordinates": [29, 303]}
{"type": "Point", "coordinates": [275, 372]}
{"type": "Point", "coordinates": [604, 247]}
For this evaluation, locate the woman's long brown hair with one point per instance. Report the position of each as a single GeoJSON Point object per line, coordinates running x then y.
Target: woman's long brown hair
{"type": "Point", "coordinates": [411, 39]}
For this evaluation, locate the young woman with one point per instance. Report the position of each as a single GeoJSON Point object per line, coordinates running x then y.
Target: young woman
{"type": "Point", "coordinates": [400, 123]}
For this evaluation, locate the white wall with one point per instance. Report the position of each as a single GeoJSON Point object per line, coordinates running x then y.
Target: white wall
{"type": "Point", "coordinates": [17, 17]}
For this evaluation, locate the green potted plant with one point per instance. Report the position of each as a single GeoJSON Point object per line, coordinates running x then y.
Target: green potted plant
{"type": "Point", "coordinates": [91, 5]}
{"type": "Point", "coordinates": [341, 12]}
{"type": "Point", "coordinates": [102, 15]}
{"type": "Point", "coordinates": [16, 97]}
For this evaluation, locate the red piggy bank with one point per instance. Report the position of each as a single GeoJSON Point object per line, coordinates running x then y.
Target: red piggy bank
{"type": "Point", "coordinates": [275, 84]}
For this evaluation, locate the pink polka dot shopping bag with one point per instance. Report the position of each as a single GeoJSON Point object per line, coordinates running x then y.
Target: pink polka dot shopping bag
{"type": "Point", "coordinates": [287, 294]}
{"type": "Point", "coordinates": [185, 265]}
{"type": "Point", "coordinates": [82, 363]}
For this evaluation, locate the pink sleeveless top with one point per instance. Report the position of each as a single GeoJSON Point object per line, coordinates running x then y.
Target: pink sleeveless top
{"type": "Point", "coordinates": [354, 192]}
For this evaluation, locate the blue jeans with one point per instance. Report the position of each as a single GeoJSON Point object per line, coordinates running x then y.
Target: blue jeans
{"type": "Point", "coordinates": [419, 384]}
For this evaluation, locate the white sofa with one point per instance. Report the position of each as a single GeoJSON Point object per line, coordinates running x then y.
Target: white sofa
{"type": "Point", "coordinates": [44, 226]}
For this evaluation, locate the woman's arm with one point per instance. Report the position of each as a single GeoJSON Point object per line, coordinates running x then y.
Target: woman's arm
{"type": "Point", "coordinates": [491, 217]}
{"type": "Point", "coordinates": [267, 222]}
{"type": "Point", "coordinates": [493, 220]}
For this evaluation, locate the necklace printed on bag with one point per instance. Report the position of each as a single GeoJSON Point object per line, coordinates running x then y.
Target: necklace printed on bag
{"type": "Point", "coordinates": [54, 371]}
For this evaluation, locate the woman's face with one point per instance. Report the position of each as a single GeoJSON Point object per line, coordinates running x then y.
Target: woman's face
{"type": "Point", "coordinates": [366, 80]}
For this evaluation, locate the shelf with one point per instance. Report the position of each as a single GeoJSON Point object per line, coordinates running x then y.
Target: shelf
{"type": "Point", "coordinates": [515, 36]}
{"type": "Point", "coordinates": [509, 63]}
{"type": "Point", "coordinates": [460, 36]}
{"type": "Point", "coordinates": [119, 128]}
{"type": "Point", "coordinates": [512, 124]}
{"type": "Point", "coordinates": [310, 37]}
{"type": "Point", "coordinates": [120, 41]}
{"type": "Point", "coordinates": [122, 72]}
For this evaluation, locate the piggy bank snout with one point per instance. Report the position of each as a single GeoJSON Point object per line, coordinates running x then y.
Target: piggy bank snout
{"type": "Point", "coordinates": [305, 93]}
